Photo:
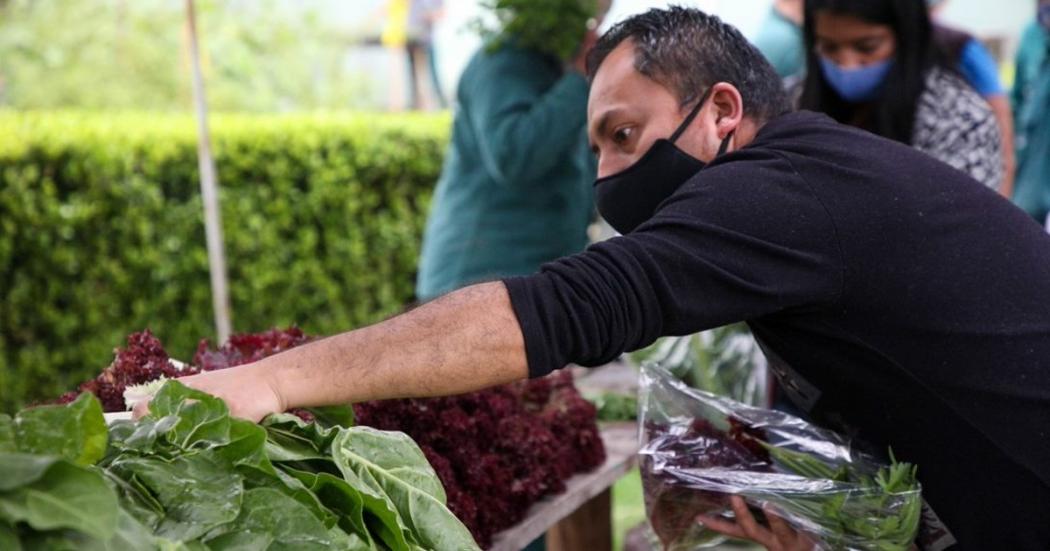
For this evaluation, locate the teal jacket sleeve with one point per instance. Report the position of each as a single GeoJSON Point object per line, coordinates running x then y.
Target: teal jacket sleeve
{"type": "Point", "coordinates": [1021, 76]}
{"type": "Point", "coordinates": [523, 123]}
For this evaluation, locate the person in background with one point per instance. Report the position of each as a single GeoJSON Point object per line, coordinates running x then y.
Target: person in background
{"type": "Point", "coordinates": [419, 51]}
{"type": "Point", "coordinates": [408, 30]}
{"type": "Point", "coordinates": [976, 64]}
{"type": "Point", "coordinates": [780, 39]}
{"type": "Point", "coordinates": [873, 64]}
{"type": "Point", "coordinates": [516, 187]}
{"type": "Point", "coordinates": [1031, 105]}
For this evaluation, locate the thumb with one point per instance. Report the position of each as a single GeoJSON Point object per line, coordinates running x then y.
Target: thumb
{"type": "Point", "coordinates": [141, 410]}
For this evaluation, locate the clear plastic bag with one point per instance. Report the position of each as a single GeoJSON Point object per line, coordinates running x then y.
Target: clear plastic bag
{"type": "Point", "coordinates": [725, 360]}
{"type": "Point", "coordinates": [698, 449]}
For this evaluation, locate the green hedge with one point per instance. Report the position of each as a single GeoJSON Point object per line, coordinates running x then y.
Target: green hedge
{"type": "Point", "coordinates": [101, 231]}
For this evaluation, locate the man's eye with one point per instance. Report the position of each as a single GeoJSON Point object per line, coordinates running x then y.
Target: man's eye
{"type": "Point", "coordinates": [622, 135]}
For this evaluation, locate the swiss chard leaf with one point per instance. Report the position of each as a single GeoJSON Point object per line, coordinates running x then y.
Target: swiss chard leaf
{"type": "Point", "coordinates": [270, 519]}
{"type": "Point", "coordinates": [9, 537]}
{"type": "Point", "coordinates": [75, 431]}
{"type": "Point", "coordinates": [55, 494]}
{"type": "Point", "coordinates": [198, 490]}
{"type": "Point", "coordinates": [338, 496]}
{"type": "Point", "coordinates": [392, 465]}
{"type": "Point", "coordinates": [292, 439]}
{"type": "Point", "coordinates": [204, 420]}
{"type": "Point", "coordinates": [333, 416]}
{"type": "Point", "coordinates": [307, 448]}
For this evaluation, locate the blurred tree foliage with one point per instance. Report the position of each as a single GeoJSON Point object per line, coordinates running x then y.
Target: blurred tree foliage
{"type": "Point", "coordinates": [259, 55]}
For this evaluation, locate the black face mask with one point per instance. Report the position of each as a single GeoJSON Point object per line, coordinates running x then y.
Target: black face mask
{"type": "Point", "coordinates": [631, 196]}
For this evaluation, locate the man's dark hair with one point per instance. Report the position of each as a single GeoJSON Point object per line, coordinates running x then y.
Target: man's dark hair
{"type": "Point", "coordinates": [688, 51]}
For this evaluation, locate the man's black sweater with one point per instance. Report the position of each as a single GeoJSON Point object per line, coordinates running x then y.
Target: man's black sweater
{"type": "Point", "coordinates": [895, 297]}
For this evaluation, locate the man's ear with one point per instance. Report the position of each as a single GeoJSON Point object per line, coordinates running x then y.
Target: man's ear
{"type": "Point", "coordinates": [728, 106]}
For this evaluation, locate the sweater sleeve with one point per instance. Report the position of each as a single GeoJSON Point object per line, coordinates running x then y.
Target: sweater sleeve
{"type": "Point", "coordinates": [740, 241]}
{"type": "Point", "coordinates": [524, 123]}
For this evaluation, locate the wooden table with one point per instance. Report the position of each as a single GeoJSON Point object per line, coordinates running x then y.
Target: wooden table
{"type": "Point", "coordinates": [582, 512]}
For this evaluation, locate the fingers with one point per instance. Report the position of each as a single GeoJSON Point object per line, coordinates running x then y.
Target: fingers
{"type": "Point", "coordinates": [141, 409]}
{"type": "Point", "coordinates": [780, 536]}
{"type": "Point", "coordinates": [781, 529]}
{"type": "Point", "coordinates": [744, 527]}
{"type": "Point", "coordinates": [747, 521]}
{"type": "Point", "coordinates": [722, 526]}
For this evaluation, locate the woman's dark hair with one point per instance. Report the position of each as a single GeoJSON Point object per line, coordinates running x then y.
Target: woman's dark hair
{"type": "Point", "coordinates": [893, 115]}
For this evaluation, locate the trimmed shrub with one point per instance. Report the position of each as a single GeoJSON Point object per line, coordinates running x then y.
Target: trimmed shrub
{"type": "Point", "coordinates": [102, 233]}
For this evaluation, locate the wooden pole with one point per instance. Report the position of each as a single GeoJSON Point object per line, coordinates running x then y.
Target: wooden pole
{"type": "Point", "coordinates": [209, 189]}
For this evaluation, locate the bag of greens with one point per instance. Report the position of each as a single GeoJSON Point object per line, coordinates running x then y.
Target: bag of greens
{"type": "Point", "coordinates": [699, 449]}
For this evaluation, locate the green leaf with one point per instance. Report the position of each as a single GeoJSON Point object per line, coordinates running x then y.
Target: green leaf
{"type": "Point", "coordinates": [333, 416]}
{"type": "Point", "coordinates": [270, 519]}
{"type": "Point", "coordinates": [337, 495]}
{"type": "Point", "coordinates": [246, 445]}
{"type": "Point", "coordinates": [59, 495]}
{"type": "Point", "coordinates": [204, 419]}
{"type": "Point", "coordinates": [391, 464]}
{"type": "Point", "coordinates": [198, 490]}
{"type": "Point", "coordinates": [21, 469]}
{"type": "Point", "coordinates": [141, 436]}
{"type": "Point", "coordinates": [290, 486]}
{"type": "Point", "coordinates": [8, 537]}
{"type": "Point", "coordinates": [76, 431]}
{"type": "Point", "coordinates": [289, 438]}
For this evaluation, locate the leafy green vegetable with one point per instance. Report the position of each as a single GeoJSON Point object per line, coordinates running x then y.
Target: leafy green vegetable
{"type": "Point", "coordinates": [198, 490]}
{"type": "Point", "coordinates": [271, 519]}
{"type": "Point", "coordinates": [47, 493]}
{"type": "Point", "coordinates": [76, 432]}
{"type": "Point", "coordinates": [860, 511]}
{"type": "Point", "coordinates": [189, 476]}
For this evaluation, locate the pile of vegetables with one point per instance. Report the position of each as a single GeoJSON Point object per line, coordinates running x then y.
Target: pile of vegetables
{"type": "Point", "coordinates": [495, 452]}
{"type": "Point", "coordinates": [145, 360]}
{"type": "Point", "coordinates": [500, 450]}
{"type": "Point", "coordinates": [188, 476]}
{"type": "Point", "coordinates": [700, 449]}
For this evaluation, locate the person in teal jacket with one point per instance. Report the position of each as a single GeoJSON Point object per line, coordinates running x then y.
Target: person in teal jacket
{"type": "Point", "coordinates": [1031, 103]}
{"type": "Point", "coordinates": [780, 39]}
{"type": "Point", "coordinates": [516, 187]}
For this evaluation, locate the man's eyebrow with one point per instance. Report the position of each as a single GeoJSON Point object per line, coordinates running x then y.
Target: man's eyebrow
{"type": "Point", "coordinates": [603, 121]}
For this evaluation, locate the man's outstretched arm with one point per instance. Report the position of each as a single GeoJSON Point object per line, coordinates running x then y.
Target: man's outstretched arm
{"type": "Point", "coordinates": [464, 341]}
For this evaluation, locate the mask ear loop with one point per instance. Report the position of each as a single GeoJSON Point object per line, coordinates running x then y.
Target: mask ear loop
{"type": "Point", "coordinates": [725, 144]}
{"type": "Point", "coordinates": [692, 115]}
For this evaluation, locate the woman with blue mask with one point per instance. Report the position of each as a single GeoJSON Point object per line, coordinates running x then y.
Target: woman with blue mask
{"type": "Point", "coordinates": [873, 64]}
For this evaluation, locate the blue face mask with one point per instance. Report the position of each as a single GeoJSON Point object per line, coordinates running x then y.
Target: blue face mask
{"type": "Point", "coordinates": [856, 85]}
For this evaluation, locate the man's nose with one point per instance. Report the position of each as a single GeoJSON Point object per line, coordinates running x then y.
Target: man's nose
{"type": "Point", "coordinates": [609, 165]}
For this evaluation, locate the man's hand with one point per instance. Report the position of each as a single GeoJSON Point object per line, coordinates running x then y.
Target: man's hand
{"type": "Point", "coordinates": [780, 536]}
{"type": "Point", "coordinates": [247, 390]}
